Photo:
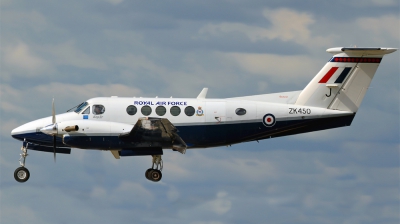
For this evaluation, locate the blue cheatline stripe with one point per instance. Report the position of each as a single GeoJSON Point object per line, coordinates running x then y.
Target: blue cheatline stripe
{"type": "Point", "coordinates": [343, 75]}
{"type": "Point", "coordinates": [201, 136]}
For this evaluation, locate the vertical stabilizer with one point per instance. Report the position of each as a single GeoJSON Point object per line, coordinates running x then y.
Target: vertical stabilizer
{"type": "Point", "coordinates": [343, 81]}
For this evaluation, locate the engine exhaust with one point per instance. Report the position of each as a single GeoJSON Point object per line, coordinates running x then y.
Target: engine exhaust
{"type": "Point", "coordinates": [71, 128]}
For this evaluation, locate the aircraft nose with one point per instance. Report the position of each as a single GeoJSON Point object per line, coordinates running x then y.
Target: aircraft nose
{"type": "Point", "coordinates": [24, 131]}
{"type": "Point", "coordinates": [16, 132]}
{"type": "Point", "coordinates": [30, 130]}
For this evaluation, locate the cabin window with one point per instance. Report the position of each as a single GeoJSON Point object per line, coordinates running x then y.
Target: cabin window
{"type": "Point", "coordinates": [87, 111]}
{"type": "Point", "coordinates": [131, 110]}
{"type": "Point", "coordinates": [175, 111]}
{"type": "Point", "coordinates": [240, 111]}
{"type": "Point", "coordinates": [146, 110]}
{"type": "Point", "coordinates": [160, 110]}
{"type": "Point", "coordinates": [98, 109]}
{"type": "Point", "coordinates": [189, 111]}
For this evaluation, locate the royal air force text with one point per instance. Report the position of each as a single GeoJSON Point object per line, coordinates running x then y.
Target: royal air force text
{"type": "Point", "coordinates": [161, 103]}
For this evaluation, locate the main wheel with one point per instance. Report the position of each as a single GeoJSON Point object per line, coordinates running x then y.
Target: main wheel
{"type": "Point", "coordinates": [21, 174]}
{"type": "Point", "coordinates": [155, 175]}
{"type": "Point", "coordinates": [147, 173]}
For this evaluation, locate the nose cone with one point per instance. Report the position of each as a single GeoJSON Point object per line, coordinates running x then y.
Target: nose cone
{"type": "Point", "coordinates": [27, 130]}
{"type": "Point", "coordinates": [19, 131]}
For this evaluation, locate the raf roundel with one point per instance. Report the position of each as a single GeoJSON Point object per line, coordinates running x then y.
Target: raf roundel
{"type": "Point", "coordinates": [269, 120]}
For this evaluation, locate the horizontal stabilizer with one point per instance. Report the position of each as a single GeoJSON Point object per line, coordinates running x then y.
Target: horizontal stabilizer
{"type": "Point", "coordinates": [362, 50]}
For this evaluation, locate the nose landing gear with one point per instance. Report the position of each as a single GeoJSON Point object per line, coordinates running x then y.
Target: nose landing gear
{"type": "Point", "coordinates": [21, 174]}
{"type": "Point", "coordinates": [154, 173]}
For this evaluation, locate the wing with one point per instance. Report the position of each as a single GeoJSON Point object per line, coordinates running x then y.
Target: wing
{"type": "Point", "coordinates": [159, 130]}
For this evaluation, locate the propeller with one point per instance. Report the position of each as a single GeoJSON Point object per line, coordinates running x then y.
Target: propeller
{"type": "Point", "coordinates": [54, 147]}
{"type": "Point", "coordinates": [53, 112]}
{"type": "Point", "coordinates": [55, 125]}
{"type": "Point", "coordinates": [52, 130]}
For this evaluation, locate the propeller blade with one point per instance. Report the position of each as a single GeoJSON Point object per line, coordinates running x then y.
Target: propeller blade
{"type": "Point", "coordinates": [54, 129]}
{"type": "Point", "coordinates": [54, 112]}
{"type": "Point", "coordinates": [54, 147]}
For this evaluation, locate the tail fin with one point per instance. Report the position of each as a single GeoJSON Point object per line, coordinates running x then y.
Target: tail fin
{"type": "Point", "coordinates": [343, 81]}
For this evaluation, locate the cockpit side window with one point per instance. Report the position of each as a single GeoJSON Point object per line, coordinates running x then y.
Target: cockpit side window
{"type": "Point", "coordinates": [81, 107]}
{"type": "Point", "coordinates": [98, 109]}
{"type": "Point", "coordinates": [87, 111]}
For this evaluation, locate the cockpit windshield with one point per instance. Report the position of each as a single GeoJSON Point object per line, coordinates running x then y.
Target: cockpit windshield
{"type": "Point", "coordinates": [80, 107]}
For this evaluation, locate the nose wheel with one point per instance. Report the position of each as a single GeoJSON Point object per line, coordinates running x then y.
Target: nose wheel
{"type": "Point", "coordinates": [154, 173]}
{"type": "Point", "coordinates": [21, 174]}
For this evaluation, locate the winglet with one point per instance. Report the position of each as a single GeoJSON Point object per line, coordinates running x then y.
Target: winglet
{"type": "Point", "coordinates": [203, 94]}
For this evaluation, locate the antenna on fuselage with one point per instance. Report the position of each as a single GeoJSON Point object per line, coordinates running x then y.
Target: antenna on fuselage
{"type": "Point", "coordinates": [203, 94]}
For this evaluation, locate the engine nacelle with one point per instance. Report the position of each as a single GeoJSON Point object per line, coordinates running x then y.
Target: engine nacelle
{"type": "Point", "coordinates": [90, 134]}
{"type": "Point", "coordinates": [90, 127]}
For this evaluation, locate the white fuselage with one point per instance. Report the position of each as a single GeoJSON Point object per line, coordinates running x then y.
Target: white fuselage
{"type": "Point", "coordinates": [213, 122]}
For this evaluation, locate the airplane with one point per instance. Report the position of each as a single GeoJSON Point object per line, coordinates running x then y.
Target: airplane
{"type": "Point", "coordinates": [130, 126]}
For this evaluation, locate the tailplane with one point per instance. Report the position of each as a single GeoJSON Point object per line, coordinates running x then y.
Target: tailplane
{"type": "Point", "coordinates": [343, 81]}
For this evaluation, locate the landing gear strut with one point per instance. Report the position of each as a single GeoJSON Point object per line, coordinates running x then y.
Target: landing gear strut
{"type": "Point", "coordinates": [21, 174]}
{"type": "Point", "coordinates": [154, 173]}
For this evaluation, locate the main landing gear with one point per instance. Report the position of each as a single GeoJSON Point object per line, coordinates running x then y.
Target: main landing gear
{"type": "Point", "coordinates": [154, 173]}
{"type": "Point", "coordinates": [21, 174]}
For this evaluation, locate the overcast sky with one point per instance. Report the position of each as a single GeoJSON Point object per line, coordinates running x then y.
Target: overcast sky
{"type": "Point", "coordinates": [75, 50]}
